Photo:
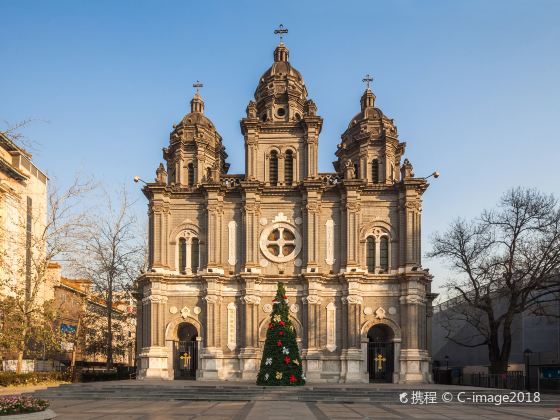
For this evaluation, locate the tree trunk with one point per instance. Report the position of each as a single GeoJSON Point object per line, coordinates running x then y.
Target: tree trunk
{"type": "Point", "coordinates": [499, 357]}
{"type": "Point", "coordinates": [494, 353]}
{"type": "Point", "coordinates": [75, 350]}
{"type": "Point", "coordinates": [110, 327]}
{"type": "Point", "coordinates": [19, 364]}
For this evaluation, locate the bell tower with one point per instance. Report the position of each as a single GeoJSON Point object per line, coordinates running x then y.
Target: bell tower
{"type": "Point", "coordinates": [370, 150]}
{"type": "Point", "coordinates": [195, 153]}
{"type": "Point", "coordinates": [281, 128]}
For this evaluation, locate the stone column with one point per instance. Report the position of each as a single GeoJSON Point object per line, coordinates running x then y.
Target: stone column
{"type": "Point", "coordinates": [198, 357]}
{"type": "Point", "coordinates": [352, 206]}
{"type": "Point", "coordinates": [397, 358]}
{"type": "Point", "coordinates": [312, 304]}
{"type": "Point", "coordinates": [251, 212]}
{"type": "Point", "coordinates": [211, 356]}
{"type": "Point", "coordinates": [352, 356]}
{"type": "Point", "coordinates": [312, 217]}
{"type": "Point", "coordinates": [212, 320]}
{"type": "Point", "coordinates": [354, 305]}
{"type": "Point", "coordinates": [214, 212]}
{"type": "Point", "coordinates": [153, 357]}
{"type": "Point", "coordinates": [412, 356]}
{"type": "Point", "coordinates": [157, 229]}
{"type": "Point", "coordinates": [249, 363]}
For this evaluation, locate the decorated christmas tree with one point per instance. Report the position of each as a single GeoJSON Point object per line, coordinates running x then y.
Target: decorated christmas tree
{"type": "Point", "coordinates": [281, 363]}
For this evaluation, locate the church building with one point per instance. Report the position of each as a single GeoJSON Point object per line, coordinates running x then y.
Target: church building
{"type": "Point", "coordinates": [346, 244]}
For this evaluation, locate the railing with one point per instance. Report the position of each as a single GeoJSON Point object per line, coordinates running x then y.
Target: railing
{"type": "Point", "coordinates": [331, 178]}
{"type": "Point", "coordinates": [232, 181]}
{"type": "Point", "coordinates": [510, 380]}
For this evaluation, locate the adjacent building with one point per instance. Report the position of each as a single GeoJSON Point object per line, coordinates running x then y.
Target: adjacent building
{"type": "Point", "coordinates": [23, 214]}
{"type": "Point", "coordinates": [82, 318]}
{"type": "Point", "coordinates": [347, 245]}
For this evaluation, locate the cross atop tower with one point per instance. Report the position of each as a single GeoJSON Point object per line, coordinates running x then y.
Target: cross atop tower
{"type": "Point", "coordinates": [367, 80]}
{"type": "Point", "coordinates": [197, 85]}
{"type": "Point", "coordinates": [281, 31]}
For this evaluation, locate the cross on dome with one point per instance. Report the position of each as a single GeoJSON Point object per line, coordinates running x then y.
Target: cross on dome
{"type": "Point", "coordinates": [367, 80]}
{"type": "Point", "coordinates": [281, 31]}
{"type": "Point", "coordinates": [197, 85]}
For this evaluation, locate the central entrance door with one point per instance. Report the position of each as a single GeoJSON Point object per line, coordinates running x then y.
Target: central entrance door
{"type": "Point", "coordinates": [380, 354]}
{"type": "Point", "coordinates": [186, 352]}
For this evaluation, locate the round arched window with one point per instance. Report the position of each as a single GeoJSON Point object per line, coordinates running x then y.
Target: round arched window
{"type": "Point", "coordinates": [280, 242]}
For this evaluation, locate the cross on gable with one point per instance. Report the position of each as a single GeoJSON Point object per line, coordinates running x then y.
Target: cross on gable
{"type": "Point", "coordinates": [281, 31]}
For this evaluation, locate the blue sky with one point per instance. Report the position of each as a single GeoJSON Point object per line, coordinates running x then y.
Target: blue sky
{"type": "Point", "coordinates": [472, 85]}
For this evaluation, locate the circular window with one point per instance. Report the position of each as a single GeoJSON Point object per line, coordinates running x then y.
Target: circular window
{"type": "Point", "coordinates": [280, 242]}
{"type": "Point", "coordinates": [281, 112]}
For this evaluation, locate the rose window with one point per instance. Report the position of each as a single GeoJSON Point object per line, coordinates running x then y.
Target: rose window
{"type": "Point", "coordinates": [280, 242]}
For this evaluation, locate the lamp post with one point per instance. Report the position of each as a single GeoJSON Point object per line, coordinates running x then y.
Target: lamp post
{"type": "Point", "coordinates": [138, 179]}
{"type": "Point", "coordinates": [527, 354]}
{"type": "Point", "coordinates": [434, 174]}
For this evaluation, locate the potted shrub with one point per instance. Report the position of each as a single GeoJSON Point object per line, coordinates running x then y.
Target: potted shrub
{"type": "Point", "coordinates": [18, 407]}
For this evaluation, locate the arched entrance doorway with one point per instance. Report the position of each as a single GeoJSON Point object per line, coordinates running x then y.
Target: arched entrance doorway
{"type": "Point", "coordinates": [380, 353]}
{"type": "Point", "coordinates": [185, 352]}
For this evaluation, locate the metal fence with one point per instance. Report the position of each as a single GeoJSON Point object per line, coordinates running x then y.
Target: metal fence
{"type": "Point", "coordinates": [510, 380]}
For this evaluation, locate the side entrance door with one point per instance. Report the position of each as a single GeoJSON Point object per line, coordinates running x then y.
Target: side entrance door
{"type": "Point", "coordinates": [380, 361]}
{"type": "Point", "coordinates": [186, 356]}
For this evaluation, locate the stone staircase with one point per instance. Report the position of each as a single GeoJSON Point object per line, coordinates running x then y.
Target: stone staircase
{"type": "Point", "coordinates": [187, 390]}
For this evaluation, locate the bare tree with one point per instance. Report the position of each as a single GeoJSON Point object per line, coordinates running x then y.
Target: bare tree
{"type": "Point", "coordinates": [112, 258]}
{"type": "Point", "coordinates": [34, 241]}
{"type": "Point", "coordinates": [14, 132]}
{"type": "Point", "coordinates": [508, 261]}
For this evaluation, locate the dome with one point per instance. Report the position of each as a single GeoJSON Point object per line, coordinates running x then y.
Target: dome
{"type": "Point", "coordinates": [281, 93]}
{"type": "Point", "coordinates": [281, 66]}
{"type": "Point", "coordinates": [371, 114]}
{"type": "Point", "coordinates": [196, 116]}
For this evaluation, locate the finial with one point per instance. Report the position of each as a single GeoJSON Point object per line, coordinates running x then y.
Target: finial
{"type": "Point", "coordinates": [281, 31]}
{"type": "Point", "coordinates": [197, 85]}
{"type": "Point", "coordinates": [367, 80]}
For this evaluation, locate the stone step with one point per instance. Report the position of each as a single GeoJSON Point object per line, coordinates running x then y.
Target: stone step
{"type": "Point", "coordinates": [100, 391]}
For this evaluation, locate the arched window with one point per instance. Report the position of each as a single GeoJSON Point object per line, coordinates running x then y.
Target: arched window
{"type": "Point", "coordinates": [357, 169]}
{"type": "Point", "coordinates": [274, 167]}
{"type": "Point", "coordinates": [171, 176]}
{"type": "Point", "coordinates": [384, 253]}
{"type": "Point", "coordinates": [182, 255]}
{"type": "Point", "coordinates": [190, 174]}
{"type": "Point", "coordinates": [194, 255]}
{"type": "Point", "coordinates": [289, 167]}
{"type": "Point", "coordinates": [370, 253]}
{"type": "Point", "coordinates": [208, 174]}
{"type": "Point", "coordinates": [375, 170]}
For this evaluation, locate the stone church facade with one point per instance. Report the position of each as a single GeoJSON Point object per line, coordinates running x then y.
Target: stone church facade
{"type": "Point", "coordinates": [346, 244]}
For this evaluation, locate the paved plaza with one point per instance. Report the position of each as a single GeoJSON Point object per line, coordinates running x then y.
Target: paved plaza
{"type": "Point", "coordinates": [278, 410]}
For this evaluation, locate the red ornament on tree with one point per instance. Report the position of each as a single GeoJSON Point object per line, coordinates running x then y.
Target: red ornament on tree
{"type": "Point", "coordinates": [287, 360]}
{"type": "Point", "coordinates": [279, 343]}
{"type": "Point", "coordinates": [282, 323]}
{"type": "Point", "coordinates": [292, 379]}
{"type": "Point", "coordinates": [270, 326]}
{"type": "Point", "coordinates": [281, 333]}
